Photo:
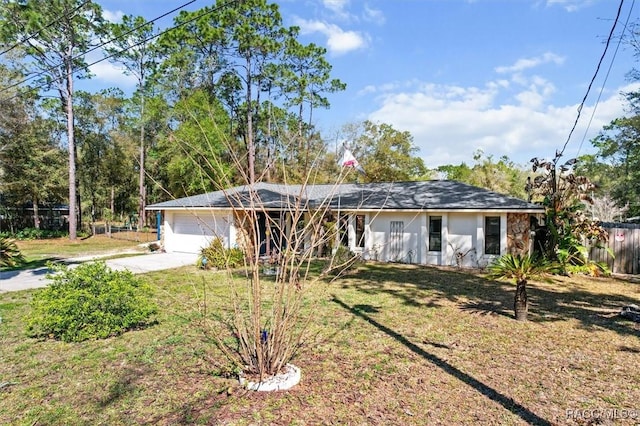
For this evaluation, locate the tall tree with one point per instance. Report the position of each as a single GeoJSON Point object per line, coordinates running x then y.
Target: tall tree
{"type": "Point", "coordinates": [33, 154]}
{"type": "Point", "coordinates": [616, 166]}
{"type": "Point", "coordinates": [461, 172]}
{"type": "Point", "coordinates": [105, 167]}
{"type": "Point", "coordinates": [238, 51]}
{"type": "Point", "coordinates": [305, 76]}
{"type": "Point", "coordinates": [386, 154]}
{"type": "Point", "coordinates": [193, 158]}
{"type": "Point", "coordinates": [16, 109]}
{"type": "Point", "coordinates": [502, 176]}
{"type": "Point", "coordinates": [55, 34]}
{"type": "Point", "coordinates": [133, 44]}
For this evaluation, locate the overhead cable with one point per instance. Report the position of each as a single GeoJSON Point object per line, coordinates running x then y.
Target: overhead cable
{"type": "Point", "coordinates": [584, 99]}
{"type": "Point", "coordinates": [81, 55]}
{"type": "Point", "coordinates": [586, 130]}
{"type": "Point", "coordinates": [24, 40]}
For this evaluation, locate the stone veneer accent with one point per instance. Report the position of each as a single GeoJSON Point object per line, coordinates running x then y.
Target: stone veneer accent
{"type": "Point", "coordinates": [518, 236]}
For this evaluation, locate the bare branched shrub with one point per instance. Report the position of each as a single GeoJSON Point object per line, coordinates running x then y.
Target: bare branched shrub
{"type": "Point", "coordinates": [281, 233]}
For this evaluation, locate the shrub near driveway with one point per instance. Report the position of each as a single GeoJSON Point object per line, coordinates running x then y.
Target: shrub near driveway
{"type": "Point", "coordinates": [90, 301]}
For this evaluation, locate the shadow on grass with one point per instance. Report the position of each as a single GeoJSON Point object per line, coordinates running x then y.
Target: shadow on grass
{"type": "Point", "coordinates": [37, 264]}
{"type": "Point", "coordinates": [125, 385]}
{"type": "Point", "coordinates": [629, 349]}
{"type": "Point", "coordinates": [423, 286]}
{"type": "Point", "coordinates": [508, 403]}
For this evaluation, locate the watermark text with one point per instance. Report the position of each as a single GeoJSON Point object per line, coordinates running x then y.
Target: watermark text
{"type": "Point", "coordinates": [603, 413]}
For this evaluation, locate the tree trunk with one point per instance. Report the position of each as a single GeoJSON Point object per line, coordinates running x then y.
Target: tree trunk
{"type": "Point", "coordinates": [112, 208]}
{"type": "Point", "coordinates": [251, 147]}
{"type": "Point", "coordinates": [73, 218]}
{"type": "Point", "coordinates": [36, 214]}
{"type": "Point", "coordinates": [143, 189]}
{"type": "Point", "coordinates": [520, 303]}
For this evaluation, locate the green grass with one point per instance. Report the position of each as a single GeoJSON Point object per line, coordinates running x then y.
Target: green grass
{"type": "Point", "coordinates": [38, 253]}
{"type": "Point", "coordinates": [388, 344]}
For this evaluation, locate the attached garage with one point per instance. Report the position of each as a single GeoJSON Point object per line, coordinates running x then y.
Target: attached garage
{"type": "Point", "coordinates": [188, 232]}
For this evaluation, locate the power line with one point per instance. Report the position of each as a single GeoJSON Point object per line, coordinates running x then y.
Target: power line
{"type": "Point", "coordinates": [43, 28]}
{"type": "Point", "coordinates": [163, 32]}
{"type": "Point", "coordinates": [626, 23]}
{"type": "Point", "coordinates": [80, 55]}
{"type": "Point", "coordinates": [584, 99]}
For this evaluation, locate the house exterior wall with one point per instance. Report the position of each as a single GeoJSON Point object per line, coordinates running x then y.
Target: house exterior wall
{"type": "Point", "coordinates": [393, 237]}
{"type": "Point", "coordinates": [460, 248]}
{"type": "Point", "coordinates": [389, 236]}
{"type": "Point", "coordinates": [462, 238]}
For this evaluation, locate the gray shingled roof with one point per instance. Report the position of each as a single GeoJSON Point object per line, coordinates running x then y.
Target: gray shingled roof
{"type": "Point", "coordinates": [432, 195]}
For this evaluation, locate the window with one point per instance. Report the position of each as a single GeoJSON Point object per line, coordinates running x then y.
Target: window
{"type": "Point", "coordinates": [492, 235]}
{"type": "Point", "coordinates": [343, 230]}
{"type": "Point", "coordinates": [435, 233]}
{"type": "Point", "coordinates": [360, 230]}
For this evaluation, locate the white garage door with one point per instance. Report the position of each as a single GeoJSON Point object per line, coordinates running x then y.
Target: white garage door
{"type": "Point", "coordinates": [192, 232]}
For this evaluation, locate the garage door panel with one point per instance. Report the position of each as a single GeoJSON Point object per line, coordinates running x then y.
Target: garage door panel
{"type": "Point", "coordinates": [193, 232]}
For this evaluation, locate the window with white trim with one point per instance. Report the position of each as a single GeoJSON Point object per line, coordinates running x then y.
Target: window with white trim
{"type": "Point", "coordinates": [435, 233]}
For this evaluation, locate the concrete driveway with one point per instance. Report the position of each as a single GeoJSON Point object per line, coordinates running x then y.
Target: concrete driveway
{"type": "Point", "coordinates": [36, 278]}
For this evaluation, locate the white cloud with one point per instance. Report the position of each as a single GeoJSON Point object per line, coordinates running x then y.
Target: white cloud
{"type": "Point", "coordinates": [112, 16]}
{"type": "Point", "coordinates": [109, 73]}
{"type": "Point", "coordinates": [537, 91]}
{"type": "Point", "coordinates": [449, 123]}
{"type": "Point", "coordinates": [527, 63]}
{"type": "Point", "coordinates": [373, 15]}
{"type": "Point", "coordinates": [570, 5]}
{"type": "Point", "coordinates": [336, 6]}
{"type": "Point", "coordinates": [338, 41]}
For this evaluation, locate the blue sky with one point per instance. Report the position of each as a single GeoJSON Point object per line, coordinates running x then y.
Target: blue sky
{"type": "Point", "coordinates": [502, 76]}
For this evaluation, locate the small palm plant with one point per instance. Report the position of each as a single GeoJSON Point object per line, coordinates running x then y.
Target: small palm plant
{"type": "Point", "coordinates": [10, 255]}
{"type": "Point", "coordinates": [520, 268]}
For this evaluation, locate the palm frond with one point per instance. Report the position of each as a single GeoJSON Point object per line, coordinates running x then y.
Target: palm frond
{"type": "Point", "coordinates": [10, 255]}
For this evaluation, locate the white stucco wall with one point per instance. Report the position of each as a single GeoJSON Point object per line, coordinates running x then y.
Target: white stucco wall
{"type": "Point", "coordinates": [462, 233]}
{"type": "Point", "coordinates": [462, 238]}
{"type": "Point", "coordinates": [462, 243]}
{"type": "Point", "coordinates": [379, 244]}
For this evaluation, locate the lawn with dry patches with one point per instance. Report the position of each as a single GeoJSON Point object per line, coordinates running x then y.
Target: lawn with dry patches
{"type": "Point", "coordinates": [387, 344]}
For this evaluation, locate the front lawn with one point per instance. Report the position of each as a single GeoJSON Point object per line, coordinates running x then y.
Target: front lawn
{"type": "Point", "coordinates": [38, 253]}
{"type": "Point", "coordinates": [389, 344]}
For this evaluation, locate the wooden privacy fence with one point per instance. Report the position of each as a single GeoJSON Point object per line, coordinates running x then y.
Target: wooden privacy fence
{"type": "Point", "coordinates": [624, 242]}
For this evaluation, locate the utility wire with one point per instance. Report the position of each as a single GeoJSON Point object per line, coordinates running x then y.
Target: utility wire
{"type": "Point", "coordinates": [584, 99]}
{"type": "Point", "coordinates": [80, 55]}
{"type": "Point", "coordinates": [593, 113]}
{"type": "Point", "coordinates": [163, 32]}
{"type": "Point", "coordinates": [43, 28]}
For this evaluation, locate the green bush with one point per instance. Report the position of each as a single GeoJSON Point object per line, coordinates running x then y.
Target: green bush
{"type": "Point", "coordinates": [219, 257]}
{"type": "Point", "coordinates": [34, 234]}
{"type": "Point", "coordinates": [90, 301]}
